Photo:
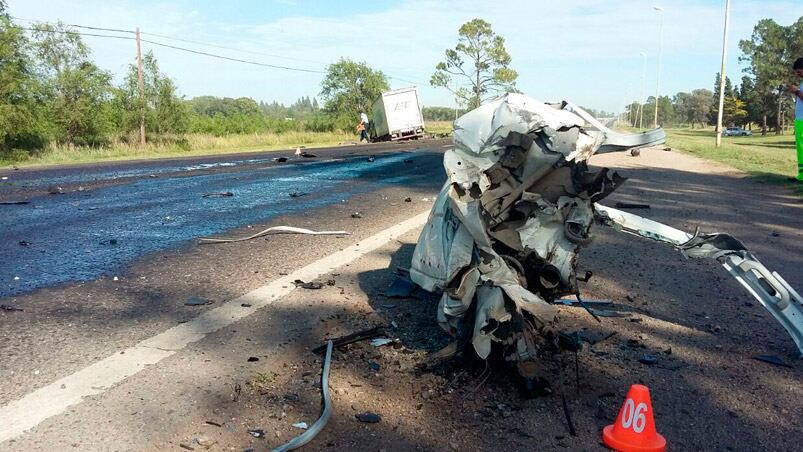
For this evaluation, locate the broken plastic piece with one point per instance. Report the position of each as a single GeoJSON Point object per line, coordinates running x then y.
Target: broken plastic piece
{"type": "Point", "coordinates": [381, 341]}
{"type": "Point", "coordinates": [220, 194]}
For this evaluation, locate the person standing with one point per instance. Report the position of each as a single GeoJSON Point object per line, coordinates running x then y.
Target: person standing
{"type": "Point", "coordinates": [364, 127]}
{"type": "Point", "coordinates": [797, 67]}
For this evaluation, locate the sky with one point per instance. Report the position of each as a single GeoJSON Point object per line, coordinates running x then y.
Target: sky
{"type": "Point", "coordinates": [586, 51]}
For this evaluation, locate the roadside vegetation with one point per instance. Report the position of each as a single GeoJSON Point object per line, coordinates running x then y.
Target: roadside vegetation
{"type": "Point", "coordinates": [770, 157]}
{"type": "Point", "coordinates": [57, 106]}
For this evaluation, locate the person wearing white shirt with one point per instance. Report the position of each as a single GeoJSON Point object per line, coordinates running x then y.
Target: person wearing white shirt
{"type": "Point", "coordinates": [797, 67]}
{"type": "Point", "coordinates": [363, 127]}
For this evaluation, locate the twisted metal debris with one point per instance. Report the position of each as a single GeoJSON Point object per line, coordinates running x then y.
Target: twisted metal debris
{"type": "Point", "coordinates": [502, 239]}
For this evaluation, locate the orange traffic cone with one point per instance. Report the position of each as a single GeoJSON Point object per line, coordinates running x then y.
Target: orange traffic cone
{"type": "Point", "coordinates": [634, 429]}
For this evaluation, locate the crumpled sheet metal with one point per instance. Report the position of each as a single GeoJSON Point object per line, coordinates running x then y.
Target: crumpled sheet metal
{"type": "Point", "coordinates": [502, 237]}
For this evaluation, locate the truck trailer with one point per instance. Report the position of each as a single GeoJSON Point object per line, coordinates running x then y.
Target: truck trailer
{"type": "Point", "coordinates": [396, 115]}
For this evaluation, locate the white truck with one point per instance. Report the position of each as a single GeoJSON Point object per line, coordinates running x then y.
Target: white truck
{"type": "Point", "coordinates": [396, 115]}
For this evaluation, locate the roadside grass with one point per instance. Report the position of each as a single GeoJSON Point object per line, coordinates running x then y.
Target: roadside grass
{"type": "Point", "coordinates": [770, 158]}
{"type": "Point", "coordinates": [439, 128]}
{"type": "Point", "coordinates": [189, 145]}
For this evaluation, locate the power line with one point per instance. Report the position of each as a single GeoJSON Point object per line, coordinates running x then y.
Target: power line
{"type": "Point", "coordinates": [184, 49]}
{"type": "Point", "coordinates": [190, 41]}
{"type": "Point", "coordinates": [315, 71]}
{"type": "Point", "coordinates": [77, 26]}
{"type": "Point", "coordinates": [256, 63]}
{"type": "Point", "coordinates": [78, 33]}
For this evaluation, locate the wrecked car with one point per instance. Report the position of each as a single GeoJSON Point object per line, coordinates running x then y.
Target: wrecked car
{"type": "Point", "coordinates": [501, 242]}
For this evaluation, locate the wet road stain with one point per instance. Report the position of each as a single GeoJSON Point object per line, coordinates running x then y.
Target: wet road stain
{"type": "Point", "coordinates": [81, 236]}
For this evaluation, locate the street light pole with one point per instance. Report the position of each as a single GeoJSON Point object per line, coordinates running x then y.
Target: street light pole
{"type": "Point", "coordinates": [643, 78]}
{"type": "Point", "coordinates": [722, 75]}
{"type": "Point", "coordinates": [658, 66]}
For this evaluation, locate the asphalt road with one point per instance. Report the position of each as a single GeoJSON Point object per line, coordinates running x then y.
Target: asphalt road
{"type": "Point", "coordinates": [105, 216]}
{"type": "Point", "coordinates": [125, 364]}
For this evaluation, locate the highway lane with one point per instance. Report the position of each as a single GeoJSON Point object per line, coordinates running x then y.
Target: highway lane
{"type": "Point", "coordinates": [114, 214]}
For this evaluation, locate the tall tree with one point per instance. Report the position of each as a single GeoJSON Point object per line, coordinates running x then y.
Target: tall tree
{"type": "Point", "coordinates": [349, 88]}
{"type": "Point", "coordinates": [77, 91]}
{"type": "Point", "coordinates": [19, 124]}
{"type": "Point", "coordinates": [771, 50]}
{"type": "Point", "coordinates": [165, 110]}
{"type": "Point", "coordinates": [480, 63]}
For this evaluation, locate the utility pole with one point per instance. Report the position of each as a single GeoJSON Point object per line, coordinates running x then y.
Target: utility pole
{"type": "Point", "coordinates": [658, 67]}
{"type": "Point", "coordinates": [641, 101]}
{"type": "Point", "coordinates": [141, 85]}
{"type": "Point", "coordinates": [722, 76]}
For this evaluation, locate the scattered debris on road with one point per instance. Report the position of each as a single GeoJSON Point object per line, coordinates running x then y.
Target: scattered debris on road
{"type": "Point", "coordinates": [648, 360]}
{"type": "Point", "coordinates": [771, 359]}
{"type": "Point", "coordinates": [196, 301]}
{"type": "Point", "coordinates": [297, 194]}
{"type": "Point", "coordinates": [381, 341]}
{"type": "Point", "coordinates": [356, 215]}
{"type": "Point", "coordinates": [8, 308]}
{"type": "Point", "coordinates": [270, 231]}
{"type": "Point", "coordinates": [368, 417]}
{"type": "Point", "coordinates": [218, 194]}
{"type": "Point", "coordinates": [304, 154]}
{"type": "Point", "coordinates": [257, 433]}
{"type": "Point", "coordinates": [351, 338]}
{"type": "Point", "coordinates": [55, 190]}
{"type": "Point", "coordinates": [24, 243]}
{"type": "Point", "coordinates": [308, 285]}
{"type": "Point", "coordinates": [626, 205]}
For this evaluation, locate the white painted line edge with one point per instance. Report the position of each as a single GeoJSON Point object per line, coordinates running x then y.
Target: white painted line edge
{"type": "Point", "coordinates": [21, 415]}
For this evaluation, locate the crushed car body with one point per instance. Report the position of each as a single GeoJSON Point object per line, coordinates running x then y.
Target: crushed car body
{"type": "Point", "coordinates": [501, 242]}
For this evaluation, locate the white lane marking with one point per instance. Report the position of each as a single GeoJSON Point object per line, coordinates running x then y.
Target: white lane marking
{"type": "Point", "coordinates": [23, 414]}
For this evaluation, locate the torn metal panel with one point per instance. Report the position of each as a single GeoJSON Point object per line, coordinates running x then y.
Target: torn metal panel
{"type": "Point", "coordinates": [769, 288]}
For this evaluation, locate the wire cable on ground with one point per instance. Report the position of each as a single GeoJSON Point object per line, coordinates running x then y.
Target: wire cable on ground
{"type": "Point", "coordinates": [274, 230]}
{"type": "Point", "coordinates": [315, 428]}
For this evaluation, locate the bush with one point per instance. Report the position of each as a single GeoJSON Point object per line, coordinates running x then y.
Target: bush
{"type": "Point", "coordinates": [14, 155]}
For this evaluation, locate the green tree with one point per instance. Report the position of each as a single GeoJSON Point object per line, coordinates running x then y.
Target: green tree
{"type": "Point", "coordinates": [165, 111]}
{"type": "Point", "coordinates": [480, 63]}
{"type": "Point", "coordinates": [19, 118]}
{"type": "Point", "coordinates": [666, 110]}
{"type": "Point", "coordinates": [77, 92]}
{"type": "Point", "coordinates": [693, 108]}
{"type": "Point", "coordinates": [349, 88]}
{"type": "Point", "coordinates": [771, 50]}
